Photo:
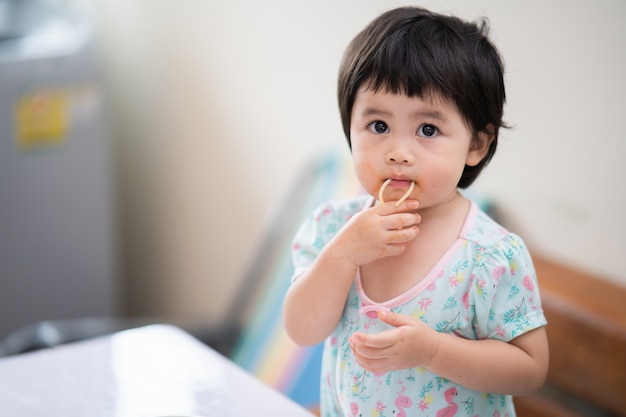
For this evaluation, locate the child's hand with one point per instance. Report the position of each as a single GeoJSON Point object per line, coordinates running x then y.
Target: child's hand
{"type": "Point", "coordinates": [383, 230]}
{"type": "Point", "coordinates": [410, 344]}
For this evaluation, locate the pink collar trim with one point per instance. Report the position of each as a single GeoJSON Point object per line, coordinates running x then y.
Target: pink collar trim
{"type": "Point", "coordinates": [371, 306]}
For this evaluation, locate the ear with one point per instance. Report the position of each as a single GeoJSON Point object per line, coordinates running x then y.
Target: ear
{"type": "Point", "coordinates": [480, 146]}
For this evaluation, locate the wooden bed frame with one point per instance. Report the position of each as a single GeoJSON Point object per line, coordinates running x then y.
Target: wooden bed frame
{"type": "Point", "coordinates": [587, 335]}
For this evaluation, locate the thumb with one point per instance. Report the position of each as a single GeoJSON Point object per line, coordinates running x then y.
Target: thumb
{"type": "Point", "coordinates": [394, 319]}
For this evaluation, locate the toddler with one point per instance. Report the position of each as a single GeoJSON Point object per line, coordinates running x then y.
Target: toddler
{"type": "Point", "coordinates": [427, 306]}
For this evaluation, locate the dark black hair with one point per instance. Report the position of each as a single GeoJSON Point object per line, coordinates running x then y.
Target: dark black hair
{"type": "Point", "coordinates": [419, 53]}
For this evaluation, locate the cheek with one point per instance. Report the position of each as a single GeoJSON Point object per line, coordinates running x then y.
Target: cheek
{"type": "Point", "coordinates": [441, 177]}
{"type": "Point", "coordinates": [366, 173]}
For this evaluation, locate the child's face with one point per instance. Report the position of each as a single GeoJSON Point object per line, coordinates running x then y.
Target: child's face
{"type": "Point", "coordinates": [410, 139]}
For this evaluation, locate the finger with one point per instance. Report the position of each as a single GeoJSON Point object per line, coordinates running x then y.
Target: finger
{"type": "Point", "coordinates": [395, 319]}
{"type": "Point", "coordinates": [365, 352]}
{"type": "Point", "coordinates": [368, 357]}
{"type": "Point", "coordinates": [373, 365]}
{"type": "Point", "coordinates": [393, 249]}
{"type": "Point", "coordinates": [401, 235]}
{"type": "Point", "coordinates": [401, 220]}
{"type": "Point", "coordinates": [368, 342]}
{"type": "Point", "coordinates": [373, 360]}
{"type": "Point", "coordinates": [391, 208]}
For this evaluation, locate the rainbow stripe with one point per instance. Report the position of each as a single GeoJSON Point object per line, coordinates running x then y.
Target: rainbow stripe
{"type": "Point", "coordinates": [264, 348]}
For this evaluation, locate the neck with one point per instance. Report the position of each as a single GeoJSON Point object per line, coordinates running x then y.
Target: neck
{"type": "Point", "coordinates": [446, 217]}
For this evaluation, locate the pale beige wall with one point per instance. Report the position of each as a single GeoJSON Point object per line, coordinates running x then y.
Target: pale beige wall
{"type": "Point", "coordinates": [217, 104]}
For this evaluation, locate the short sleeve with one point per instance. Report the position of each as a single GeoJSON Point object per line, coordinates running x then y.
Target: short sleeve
{"type": "Point", "coordinates": [307, 244]}
{"type": "Point", "coordinates": [318, 229]}
{"type": "Point", "coordinates": [505, 294]}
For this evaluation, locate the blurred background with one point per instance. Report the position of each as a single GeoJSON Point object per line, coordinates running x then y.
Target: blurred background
{"type": "Point", "coordinates": [147, 146]}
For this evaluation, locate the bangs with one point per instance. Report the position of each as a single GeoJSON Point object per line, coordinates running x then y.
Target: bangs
{"type": "Point", "coordinates": [426, 65]}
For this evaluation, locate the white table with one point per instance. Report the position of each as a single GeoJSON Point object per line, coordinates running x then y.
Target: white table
{"type": "Point", "coordinates": [151, 371]}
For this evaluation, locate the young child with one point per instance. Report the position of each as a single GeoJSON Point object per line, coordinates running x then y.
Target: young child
{"type": "Point", "coordinates": [428, 307]}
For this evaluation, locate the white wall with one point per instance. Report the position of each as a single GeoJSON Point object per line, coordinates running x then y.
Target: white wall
{"type": "Point", "coordinates": [218, 103]}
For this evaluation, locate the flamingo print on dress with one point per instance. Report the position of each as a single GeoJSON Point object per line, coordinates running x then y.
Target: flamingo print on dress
{"type": "Point", "coordinates": [402, 402]}
{"type": "Point", "coordinates": [451, 409]}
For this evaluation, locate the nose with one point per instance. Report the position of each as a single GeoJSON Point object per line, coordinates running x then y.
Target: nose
{"type": "Point", "coordinates": [400, 152]}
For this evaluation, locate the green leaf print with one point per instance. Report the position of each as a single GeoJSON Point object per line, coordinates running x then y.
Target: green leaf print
{"type": "Point", "coordinates": [358, 385]}
{"type": "Point", "coordinates": [426, 389]}
{"type": "Point", "coordinates": [513, 292]}
{"type": "Point", "coordinates": [450, 303]}
{"type": "Point", "coordinates": [460, 266]}
{"type": "Point", "coordinates": [447, 326]}
{"type": "Point", "coordinates": [442, 382]}
{"type": "Point", "coordinates": [510, 315]}
{"type": "Point", "coordinates": [388, 378]}
{"type": "Point", "coordinates": [515, 313]}
{"type": "Point", "coordinates": [468, 405]}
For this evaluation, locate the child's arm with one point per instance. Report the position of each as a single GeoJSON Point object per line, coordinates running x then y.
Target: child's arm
{"type": "Point", "coordinates": [315, 301]}
{"type": "Point", "coordinates": [517, 368]}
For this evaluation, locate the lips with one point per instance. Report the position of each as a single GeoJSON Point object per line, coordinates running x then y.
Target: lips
{"type": "Point", "coordinates": [399, 182]}
{"type": "Point", "coordinates": [396, 182]}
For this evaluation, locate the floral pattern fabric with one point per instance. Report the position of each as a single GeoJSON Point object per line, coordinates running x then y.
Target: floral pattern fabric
{"type": "Point", "coordinates": [483, 287]}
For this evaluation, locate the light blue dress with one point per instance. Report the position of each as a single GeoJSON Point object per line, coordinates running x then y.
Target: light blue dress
{"type": "Point", "coordinates": [484, 286]}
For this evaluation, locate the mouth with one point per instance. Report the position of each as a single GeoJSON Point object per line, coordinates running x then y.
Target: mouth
{"type": "Point", "coordinates": [396, 183]}
{"type": "Point", "coordinates": [399, 182]}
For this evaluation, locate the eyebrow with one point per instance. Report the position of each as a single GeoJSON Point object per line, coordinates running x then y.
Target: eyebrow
{"type": "Point", "coordinates": [434, 114]}
{"type": "Point", "coordinates": [431, 114]}
{"type": "Point", "coordinates": [370, 111]}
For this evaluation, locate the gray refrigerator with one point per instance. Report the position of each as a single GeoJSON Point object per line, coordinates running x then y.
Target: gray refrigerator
{"type": "Point", "coordinates": [57, 210]}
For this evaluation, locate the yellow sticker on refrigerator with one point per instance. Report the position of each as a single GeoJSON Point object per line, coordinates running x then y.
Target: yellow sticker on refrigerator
{"type": "Point", "coordinates": [42, 119]}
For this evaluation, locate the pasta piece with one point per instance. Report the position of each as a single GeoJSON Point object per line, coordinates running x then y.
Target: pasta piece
{"type": "Point", "coordinates": [407, 194]}
{"type": "Point", "coordinates": [382, 190]}
{"type": "Point", "coordinates": [404, 197]}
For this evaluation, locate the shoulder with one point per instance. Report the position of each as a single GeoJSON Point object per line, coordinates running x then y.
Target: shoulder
{"type": "Point", "coordinates": [487, 235]}
{"type": "Point", "coordinates": [339, 211]}
{"type": "Point", "coordinates": [322, 225]}
{"type": "Point", "coordinates": [495, 248]}
{"type": "Point", "coordinates": [343, 207]}
{"type": "Point", "coordinates": [481, 229]}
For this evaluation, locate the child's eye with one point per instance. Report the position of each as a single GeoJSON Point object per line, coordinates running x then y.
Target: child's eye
{"type": "Point", "coordinates": [427, 131]}
{"type": "Point", "coordinates": [378, 127]}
